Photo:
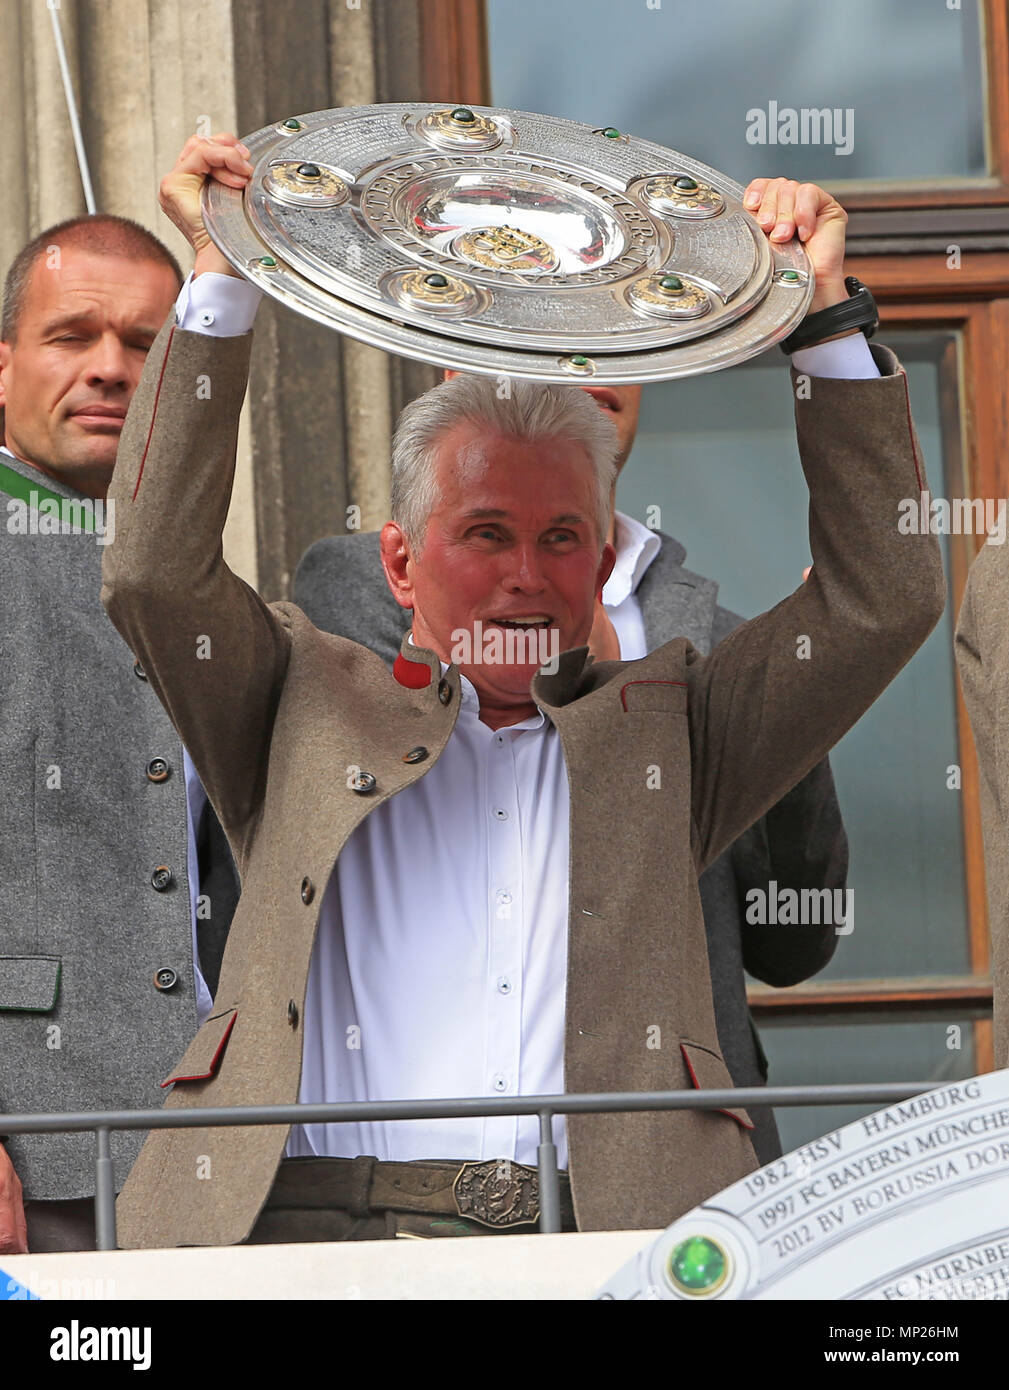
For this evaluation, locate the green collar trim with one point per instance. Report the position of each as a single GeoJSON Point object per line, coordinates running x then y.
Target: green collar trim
{"type": "Point", "coordinates": [72, 511]}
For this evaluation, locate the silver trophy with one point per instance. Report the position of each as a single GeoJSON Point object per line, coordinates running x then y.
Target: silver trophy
{"type": "Point", "coordinates": [908, 1204]}
{"type": "Point", "coordinates": [508, 243]}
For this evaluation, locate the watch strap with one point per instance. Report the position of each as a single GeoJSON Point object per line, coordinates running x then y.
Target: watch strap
{"type": "Point", "coordinates": [858, 311]}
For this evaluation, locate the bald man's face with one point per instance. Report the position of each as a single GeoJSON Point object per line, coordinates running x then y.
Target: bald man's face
{"type": "Point", "coordinates": [66, 381]}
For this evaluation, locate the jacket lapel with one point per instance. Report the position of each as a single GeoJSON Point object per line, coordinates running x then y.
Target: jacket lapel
{"type": "Point", "coordinates": [674, 601]}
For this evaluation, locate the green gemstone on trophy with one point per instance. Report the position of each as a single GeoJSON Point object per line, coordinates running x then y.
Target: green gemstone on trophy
{"type": "Point", "coordinates": [611, 133]}
{"type": "Point", "coordinates": [686, 183]}
{"type": "Point", "coordinates": [671, 284]}
{"type": "Point", "coordinates": [697, 1265]}
{"type": "Point", "coordinates": [579, 361]}
{"type": "Point", "coordinates": [309, 171]}
{"type": "Point", "coordinates": [791, 276]}
{"type": "Point", "coordinates": [292, 123]}
{"type": "Point", "coordinates": [268, 262]}
{"type": "Point", "coordinates": [463, 115]}
{"type": "Point", "coordinates": [436, 281]}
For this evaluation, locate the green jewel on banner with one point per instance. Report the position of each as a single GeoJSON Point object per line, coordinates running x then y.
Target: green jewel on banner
{"type": "Point", "coordinates": [698, 1265]}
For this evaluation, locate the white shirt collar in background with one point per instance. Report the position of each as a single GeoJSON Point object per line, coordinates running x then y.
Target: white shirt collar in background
{"type": "Point", "coordinates": [636, 548]}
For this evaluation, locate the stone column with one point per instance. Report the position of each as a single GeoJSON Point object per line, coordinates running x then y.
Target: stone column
{"type": "Point", "coordinates": [150, 73]}
{"type": "Point", "coordinates": [323, 406]}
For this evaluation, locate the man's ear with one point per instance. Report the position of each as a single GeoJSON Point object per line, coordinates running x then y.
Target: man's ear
{"type": "Point", "coordinates": [5, 358]}
{"type": "Point", "coordinates": [606, 562]}
{"type": "Point", "coordinates": [396, 563]}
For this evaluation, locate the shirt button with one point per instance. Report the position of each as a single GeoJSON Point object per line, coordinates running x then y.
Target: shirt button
{"type": "Point", "coordinates": [504, 897]}
{"type": "Point", "coordinates": [415, 755]}
{"type": "Point", "coordinates": [363, 783]}
{"type": "Point", "coordinates": [500, 813]}
{"type": "Point", "coordinates": [165, 978]}
{"type": "Point", "coordinates": [307, 891]}
{"type": "Point", "coordinates": [444, 692]}
{"type": "Point", "coordinates": [206, 317]}
{"type": "Point", "coordinates": [139, 671]}
{"type": "Point", "coordinates": [161, 878]}
{"type": "Point", "coordinates": [504, 986]}
{"type": "Point", "coordinates": [499, 1082]}
{"type": "Point", "coordinates": [158, 770]}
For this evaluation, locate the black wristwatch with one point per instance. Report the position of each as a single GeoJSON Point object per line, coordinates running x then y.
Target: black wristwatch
{"type": "Point", "coordinates": [857, 312]}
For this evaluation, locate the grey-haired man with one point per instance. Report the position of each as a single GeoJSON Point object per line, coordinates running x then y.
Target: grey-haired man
{"type": "Point", "coordinates": [463, 877]}
{"type": "Point", "coordinates": [649, 598]}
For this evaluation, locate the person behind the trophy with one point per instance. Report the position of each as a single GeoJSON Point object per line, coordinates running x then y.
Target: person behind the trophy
{"type": "Point", "coordinates": [982, 656]}
{"type": "Point", "coordinates": [648, 599]}
{"type": "Point", "coordinates": [464, 878]}
{"type": "Point", "coordinates": [99, 884]}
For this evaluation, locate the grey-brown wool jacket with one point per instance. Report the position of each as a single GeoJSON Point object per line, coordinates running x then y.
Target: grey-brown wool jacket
{"type": "Point", "coordinates": [982, 657]}
{"type": "Point", "coordinates": [269, 706]}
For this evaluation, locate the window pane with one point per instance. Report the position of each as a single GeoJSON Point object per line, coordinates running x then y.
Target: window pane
{"type": "Point", "coordinates": [846, 1054]}
{"type": "Point", "coordinates": [717, 455]}
{"type": "Point", "coordinates": [693, 75]}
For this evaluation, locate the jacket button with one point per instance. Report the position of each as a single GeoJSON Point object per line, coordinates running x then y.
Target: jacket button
{"type": "Point", "coordinates": [307, 891]}
{"type": "Point", "coordinates": [139, 671]}
{"type": "Point", "coordinates": [363, 783]}
{"type": "Point", "coordinates": [415, 755]}
{"type": "Point", "coordinates": [165, 978]}
{"type": "Point", "coordinates": [161, 879]}
{"type": "Point", "coordinates": [444, 692]}
{"type": "Point", "coordinates": [292, 1013]}
{"type": "Point", "coordinates": [158, 770]}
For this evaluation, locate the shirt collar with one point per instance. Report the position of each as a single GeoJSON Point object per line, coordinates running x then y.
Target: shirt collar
{"type": "Point", "coordinates": [469, 703]}
{"type": "Point", "coordinates": [636, 548]}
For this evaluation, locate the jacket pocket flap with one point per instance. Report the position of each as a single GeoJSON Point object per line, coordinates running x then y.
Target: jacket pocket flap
{"type": "Point", "coordinates": [654, 697]}
{"type": "Point", "coordinates": [31, 983]}
{"type": "Point", "coordinates": [203, 1055]}
{"type": "Point", "coordinates": [709, 1073]}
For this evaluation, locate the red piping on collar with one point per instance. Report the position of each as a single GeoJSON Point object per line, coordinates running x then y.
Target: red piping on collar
{"type": "Point", "coordinates": [910, 430]}
{"type": "Point", "coordinates": [203, 1075]}
{"type": "Point", "coordinates": [623, 697]}
{"type": "Point", "coordinates": [746, 1124]}
{"type": "Point", "coordinates": [415, 675]}
{"type": "Point", "coordinates": [154, 412]}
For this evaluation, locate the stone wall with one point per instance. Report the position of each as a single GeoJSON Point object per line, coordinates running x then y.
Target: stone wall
{"type": "Point", "coordinates": [148, 74]}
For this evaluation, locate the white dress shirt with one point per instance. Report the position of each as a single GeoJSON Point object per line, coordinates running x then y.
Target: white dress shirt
{"type": "Point", "coordinates": [636, 548]}
{"type": "Point", "coordinates": [439, 966]}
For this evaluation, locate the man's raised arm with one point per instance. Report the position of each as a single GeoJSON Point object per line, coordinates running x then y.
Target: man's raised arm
{"type": "Point", "coordinates": [214, 652]}
{"type": "Point", "coordinates": [781, 690]}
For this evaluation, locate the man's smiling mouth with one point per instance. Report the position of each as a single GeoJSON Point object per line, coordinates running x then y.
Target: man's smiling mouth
{"type": "Point", "coordinates": [523, 620]}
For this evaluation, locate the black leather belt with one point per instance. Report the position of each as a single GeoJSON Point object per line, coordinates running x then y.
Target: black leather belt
{"type": "Point", "coordinates": [496, 1193]}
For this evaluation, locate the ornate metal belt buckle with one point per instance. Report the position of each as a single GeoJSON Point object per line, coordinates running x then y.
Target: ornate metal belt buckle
{"type": "Point", "coordinates": [508, 243]}
{"type": "Point", "coordinates": [497, 1193]}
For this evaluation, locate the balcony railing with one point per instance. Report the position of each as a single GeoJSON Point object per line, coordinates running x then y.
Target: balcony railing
{"type": "Point", "coordinates": [102, 1122]}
